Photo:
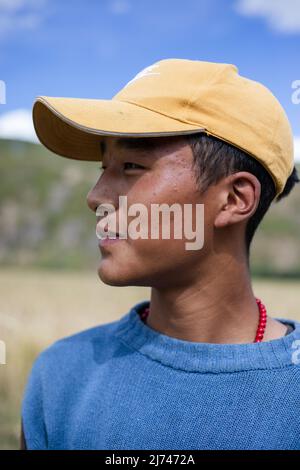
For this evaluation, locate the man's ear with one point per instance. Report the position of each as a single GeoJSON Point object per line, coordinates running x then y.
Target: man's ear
{"type": "Point", "coordinates": [239, 196]}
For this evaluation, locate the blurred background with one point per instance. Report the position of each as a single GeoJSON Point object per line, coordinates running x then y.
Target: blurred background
{"type": "Point", "coordinates": [49, 287]}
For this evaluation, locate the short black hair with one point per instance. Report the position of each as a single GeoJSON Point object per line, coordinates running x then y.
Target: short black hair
{"type": "Point", "coordinates": [215, 159]}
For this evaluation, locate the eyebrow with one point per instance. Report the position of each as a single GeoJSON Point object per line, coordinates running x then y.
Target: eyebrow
{"type": "Point", "coordinates": [133, 143]}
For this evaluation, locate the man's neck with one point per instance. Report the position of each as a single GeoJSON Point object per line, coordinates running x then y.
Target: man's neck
{"type": "Point", "coordinates": [216, 309]}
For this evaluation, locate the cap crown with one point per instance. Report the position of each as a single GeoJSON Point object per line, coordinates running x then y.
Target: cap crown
{"type": "Point", "coordinates": [229, 106]}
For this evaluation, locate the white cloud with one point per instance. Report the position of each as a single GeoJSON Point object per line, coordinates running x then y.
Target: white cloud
{"type": "Point", "coordinates": [16, 15]}
{"type": "Point", "coordinates": [17, 125]}
{"type": "Point", "coordinates": [119, 7]}
{"type": "Point", "coordinates": [281, 15]}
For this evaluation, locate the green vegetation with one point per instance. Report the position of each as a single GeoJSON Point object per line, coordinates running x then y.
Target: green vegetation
{"type": "Point", "coordinates": [45, 220]}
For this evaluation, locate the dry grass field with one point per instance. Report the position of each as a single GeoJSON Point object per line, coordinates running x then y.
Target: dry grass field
{"type": "Point", "coordinates": [38, 307]}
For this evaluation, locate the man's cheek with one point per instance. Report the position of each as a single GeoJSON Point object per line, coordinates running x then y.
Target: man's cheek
{"type": "Point", "coordinates": [157, 250]}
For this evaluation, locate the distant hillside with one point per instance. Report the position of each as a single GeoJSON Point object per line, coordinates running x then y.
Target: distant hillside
{"type": "Point", "coordinates": [45, 221]}
{"type": "Point", "coordinates": [44, 218]}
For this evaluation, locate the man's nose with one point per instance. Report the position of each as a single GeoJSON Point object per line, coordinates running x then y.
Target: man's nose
{"type": "Point", "coordinates": [97, 196]}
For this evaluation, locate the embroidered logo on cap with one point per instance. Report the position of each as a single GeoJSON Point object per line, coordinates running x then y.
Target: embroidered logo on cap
{"type": "Point", "coordinates": [145, 72]}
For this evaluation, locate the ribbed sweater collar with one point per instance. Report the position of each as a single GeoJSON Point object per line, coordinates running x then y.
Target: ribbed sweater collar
{"type": "Point", "coordinates": [207, 357]}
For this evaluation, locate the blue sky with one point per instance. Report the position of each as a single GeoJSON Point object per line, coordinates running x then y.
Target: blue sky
{"type": "Point", "coordinates": [91, 49]}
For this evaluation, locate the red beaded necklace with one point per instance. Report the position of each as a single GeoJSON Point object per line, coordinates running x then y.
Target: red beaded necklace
{"type": "Point", "coordinates": [261, 324]}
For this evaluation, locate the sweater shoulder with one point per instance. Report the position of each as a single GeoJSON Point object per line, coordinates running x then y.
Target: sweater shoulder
{"type": "Point", "coordinates": [80, 347]}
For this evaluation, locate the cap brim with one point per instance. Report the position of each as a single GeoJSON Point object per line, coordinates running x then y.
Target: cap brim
{"type": "Point", "coordinates": [71, 127]}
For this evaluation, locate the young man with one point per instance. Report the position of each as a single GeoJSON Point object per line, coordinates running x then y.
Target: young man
{"type": "Point", "coordinates": [203, 364]}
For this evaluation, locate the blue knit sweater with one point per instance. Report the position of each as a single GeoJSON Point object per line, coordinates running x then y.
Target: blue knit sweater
{"type": "Point", "coordinates": [124, 385]}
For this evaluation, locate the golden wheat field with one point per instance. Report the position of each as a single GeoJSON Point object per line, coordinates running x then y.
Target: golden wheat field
{"type": "Point", "coordinates": [38, 307]}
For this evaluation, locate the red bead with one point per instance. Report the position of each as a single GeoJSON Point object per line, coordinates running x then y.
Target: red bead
{"type": "Point", "coordinates": [262, 321]}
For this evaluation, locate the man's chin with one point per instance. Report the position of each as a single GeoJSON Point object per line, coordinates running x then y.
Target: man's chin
{"type": "Point", "coordinates": [111, 278]}
{"type": "Point", "coordinates": [120, 278]}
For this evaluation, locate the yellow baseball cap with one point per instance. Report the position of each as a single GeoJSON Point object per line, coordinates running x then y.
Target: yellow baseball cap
{"type": "Point", "coordinates": [171, 97]}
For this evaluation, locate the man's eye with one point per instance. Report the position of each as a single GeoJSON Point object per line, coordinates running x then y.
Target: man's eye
{"type": "Point", "coordinates": [127, 166]}
{"type": "Point", "coordinates": [132, 166]}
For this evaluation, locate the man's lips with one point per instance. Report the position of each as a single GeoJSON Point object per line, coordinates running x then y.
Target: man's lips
{"type": "Point", "coordinates": [111, 235]}
{"type": "Point", "coordinates": [107, 234]}
{"type": "Point", "coordinates": [102, 233]}
{"type": "Point", "coordinates": [109, 240]}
